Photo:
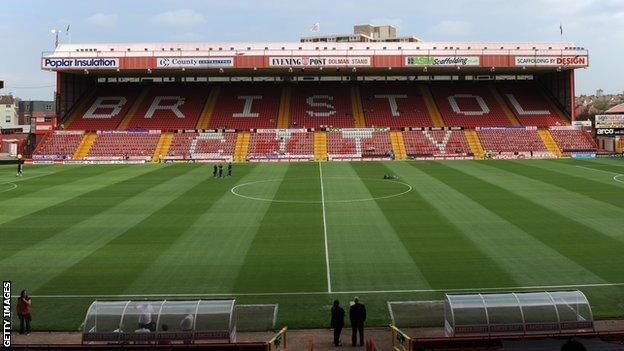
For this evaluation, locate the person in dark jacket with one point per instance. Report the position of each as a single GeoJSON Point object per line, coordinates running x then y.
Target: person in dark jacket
{"type": "Point", "coordinates": [220, 170]}
{"type": "Point", "coordinates": [229, 169]}
{"type": "Point", "coordinates": [357, 315]}
{"type": "Point", "coordinates": [24, 308]}
{"type": "Point", "coordinates": [214, 171]}
{"type": "Point", "coordinates": [337, 321]}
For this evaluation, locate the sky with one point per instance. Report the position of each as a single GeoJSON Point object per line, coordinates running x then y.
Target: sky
{"type": "Point", "coordinates": [25, 25]}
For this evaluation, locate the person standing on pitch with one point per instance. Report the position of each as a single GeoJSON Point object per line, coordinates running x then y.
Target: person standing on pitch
{"type": "Point", "coordinates": [229, 169]}
{"type": "Point", "coordinates": [220, 170]}
{"type": "Point", "coordinates": [337, 321]}
{"type": "Point", "coordinates": [357, 315]}
{"type": "Point", "coordinates": [214, 171]}
{"type": "Point", "coordinates": [24, 308]}
{"type": "Point", "coordinates": [20, 165]}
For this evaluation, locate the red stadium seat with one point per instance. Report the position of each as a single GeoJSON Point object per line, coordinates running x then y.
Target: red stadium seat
{"type": "Point", "coordinates": [107, 108]}
{"type": "Point", "coordinates": [468, 105]}
{"type": "Point", "coordinates": [436, 143]}
{"type": "Point", "coordinates": [530, 105]}
{"type": "Point", "coordinates": [316, 105]}
{"type": "Point", "coordinates": [289, 144]}
{"type": "Point", "coordinates": [573, 140]}
{"type": "Point", "coordinates": [247, 107]}
{"type": "Point", "coordinates": [511, 140]}
{"type": "Point", "coordinates": [394, 105]}
{"type": "Point", "coordinates": [115, 145]}
{"type": "Point", "coordinates": [58, 146]}
{"type": "Point", "coordinates": [170, 107]}
{"type": "Point", "coordinates": [202, 146]}
{"type": "Point", "coordinates": [356, 143]}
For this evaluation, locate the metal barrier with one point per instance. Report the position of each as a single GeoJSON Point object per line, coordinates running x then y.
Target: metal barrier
{"type": "Point", "coordinates": [399, 340]}
{"type": "Point", "coordinates": [278, 342]}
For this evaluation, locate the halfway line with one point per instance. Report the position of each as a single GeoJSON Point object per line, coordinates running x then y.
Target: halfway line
{"type": "Point", "coordinates": [329, 288]}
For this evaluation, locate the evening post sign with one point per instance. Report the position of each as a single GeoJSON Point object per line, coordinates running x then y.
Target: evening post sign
{"type": "Point", "coordinates": [319, 61]}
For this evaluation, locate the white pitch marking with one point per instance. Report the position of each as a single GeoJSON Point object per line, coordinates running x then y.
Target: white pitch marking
{"type": "Point", "coordinates": [9, 183]}
{"type": "Point", "coordinates": [506, 288]}
{"type": "Point", "coordinates": [235, 188]}
{"type": "Point", "coordinates": [329, 289]}
{"type": "Point", "coordinates": [616, 177]}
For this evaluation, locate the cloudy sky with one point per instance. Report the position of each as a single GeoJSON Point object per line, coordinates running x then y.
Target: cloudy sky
{"type": "Point", "coordinates": [25, 25]}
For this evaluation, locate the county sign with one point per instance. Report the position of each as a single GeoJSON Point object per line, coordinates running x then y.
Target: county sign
{"type": "Point", "coordinates": [442, 61]}
{"type": "Point", "coordinates": [194, 62]}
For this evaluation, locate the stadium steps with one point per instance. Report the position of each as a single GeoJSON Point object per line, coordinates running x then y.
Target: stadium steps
{"type": "Point", "coordinates": [320, 146]}
{"type": "Point", "coordinates": [432, 108]}
{"type": "Point", "coordinates": [80, 109]}
{"type": "Point", "coordinates": [474, 143]}
{"type": "Point", "coordinates": [132, 111]}
{"type": "Point", "coordinates": [549, 142]}
{"type": "Point", "coordinates": [398, 145]}
{"type": "Point", "coordinates": [85, 146]}
{"type": "Point", "coordinates": [554, 106]}
{"type": "Point", "coordinates": [162, 148]}
{"type": "Point", "coordinates": [284, 108]}
{"type": "Point", "coordinates": [513, 119]}
{"type": "Point", "coordinates": [356, 105]}
{"type": "Point", "coordinates": [209, 107]}
{"type": "Point", "coordinates": [242, 146]}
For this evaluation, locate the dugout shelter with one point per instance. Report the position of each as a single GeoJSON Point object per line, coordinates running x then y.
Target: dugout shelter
{"type": "Point", "coordinates": [163, 321]}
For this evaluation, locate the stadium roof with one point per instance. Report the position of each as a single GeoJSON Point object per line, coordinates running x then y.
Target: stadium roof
{"type": "Point", "coordinates": [258, 58]}
{"type": "Point", "coordinates": [241, 47]}
{"type": "Point", "coordinates": [616, 109]}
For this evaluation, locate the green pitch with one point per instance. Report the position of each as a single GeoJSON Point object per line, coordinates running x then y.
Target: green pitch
{"type": "Point", "coordinates": [303, 234]}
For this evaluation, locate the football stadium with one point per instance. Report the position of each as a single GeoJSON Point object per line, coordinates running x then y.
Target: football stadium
{"type": "Point", "coordinates": [234, 187]}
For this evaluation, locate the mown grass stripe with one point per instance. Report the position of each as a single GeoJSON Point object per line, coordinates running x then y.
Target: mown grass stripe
{"type": "Point", "coordinates": [45, 176]}
{"type": "Point", "coordinates": [603, 217]}
{"type": "Point", "coordinates": [591, 249]}
{"type": "Point", "coordinates": [29, 230]}
{"type": "Point", "coordinates": [610, 194]}
{"type": "Point", "coordinates": [80, 240]}
{"type": "Point", "coordinates": [75, 184]}
{"type": "Point", "coordinates": [443, 254]}
{"type": "Point", "coordinates": [590, 171]}
{"type": "Point", "coordinates": [288, 245]}
{"type": "Point", "coordinates": [216, 243]}
{"type": "Point", "coordinates": [129, 254]}
{"type": "Point", "coordinates": [365, 251]}
{"type": "Point", "coordinates": [528, 261]}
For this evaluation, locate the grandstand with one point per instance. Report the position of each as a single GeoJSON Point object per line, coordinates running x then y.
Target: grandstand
{"type": "Point", "coordinates": [305, 101]}
{"type": "Point", "coordinates": [358, 110]}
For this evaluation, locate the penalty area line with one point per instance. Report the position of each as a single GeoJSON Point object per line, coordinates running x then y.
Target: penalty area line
{"type": "Point", "coordinates": [297, 293]}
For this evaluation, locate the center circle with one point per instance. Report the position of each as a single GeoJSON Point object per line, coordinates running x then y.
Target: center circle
{"type": "Point", "coordinates": [7, 186]}
{"type": "Point", "coordinates": [308, 190]}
